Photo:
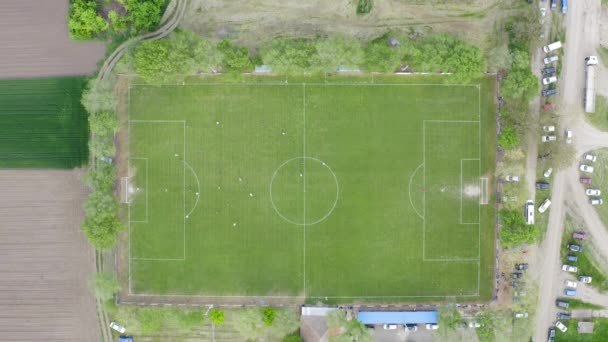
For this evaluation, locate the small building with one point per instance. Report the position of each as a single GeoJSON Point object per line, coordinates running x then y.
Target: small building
{"type": "Point", "coordinates": [397, 317]}
{"type": "Point", "coordinates": [585, 327]}
{"type": "Point", "coordinates": [313, 324]}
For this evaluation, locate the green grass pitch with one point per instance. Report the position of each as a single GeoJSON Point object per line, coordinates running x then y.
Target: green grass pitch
{"type": "Point", "coordinates": [345, 189]}
{"type": "Point", "coordinates": [42, 123]}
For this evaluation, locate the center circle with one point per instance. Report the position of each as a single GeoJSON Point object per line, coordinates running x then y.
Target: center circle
{"type": "Point", "coordinates": [304, 190]}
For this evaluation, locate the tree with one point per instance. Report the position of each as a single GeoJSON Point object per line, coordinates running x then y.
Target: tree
{"type": "Point", "coordinates": [288, 55]}
{"type": "Point", "coordinates": [101, 178]}
{"type": "Point", "coordinates": [100, 205]}
{"type": "Point", "coordinates": [120, 24]}
{"type": "Point", "coordinates": [381, 57]}
{"type": "Point", "coordinates": [337, 51]}
{"type": "Point", "coordinates": [217, 316]}
{"type": "Point", "coordinates": [236, 58]}
{"type": "Point", "coordinates": [351, 329]}
{"type": "Point", "coordinates": [83, 21]}
{"type": "Point", "coordinates": [514, 230]}
{"type": "Point", "coordinates": [520, 60]}
{"type": "Point", "coordinates": [159, 62]}
{"type": "Point", "coordinates": [102, 233]}
{"type": "Point", "coordinates": [269, 315]}
{"type": "Point", "coordinates": [103, 123]}
{"type": "Point", "coordinates": [520, 84]}
{"type": "Point", "coordinates": [144, 15]}
{"type": "Point", "coordinates": [99, 95]}
{"type": "Point", "coordinates": [449, 319]}
{"type": "Point", "coordinates": [102, 147]}
{"type": "Point", "coordinates": [201, 54]}
{"type": "Point", "coordinates": [104, 285]}
{"type": "Point", "coordinates": [508, 138]}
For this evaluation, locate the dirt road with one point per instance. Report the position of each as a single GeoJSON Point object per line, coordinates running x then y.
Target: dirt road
{"type": "Point", "coordinates": [45, 261]}
{"type": "Point", "coordinates": [582, 38]}
{"type": "Point", "coordinates": [35, 42]}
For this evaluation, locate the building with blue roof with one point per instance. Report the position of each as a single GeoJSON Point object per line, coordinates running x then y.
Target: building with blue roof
{"type": "Point", "coordinates": [397, 317]}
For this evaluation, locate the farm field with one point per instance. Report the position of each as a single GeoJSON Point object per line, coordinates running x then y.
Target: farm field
{"type": "Point", "coordinates": [340, 189]}
{"type": "Point", "coordinates": [42, 123]}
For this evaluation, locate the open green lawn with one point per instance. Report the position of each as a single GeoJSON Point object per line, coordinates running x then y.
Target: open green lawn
{"type": "Point", "coordinates": [600, 331]}
{"type": "Point", "coordinates": [338, 190]}
{"type": "Point", "coordinates": [42, 123]}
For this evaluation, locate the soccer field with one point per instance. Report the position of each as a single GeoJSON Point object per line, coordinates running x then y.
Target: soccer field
{"type": "Point", "coordinates": [341, 190]}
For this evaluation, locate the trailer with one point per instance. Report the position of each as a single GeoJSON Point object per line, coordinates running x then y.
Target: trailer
{"type": "Point", "coordinates": [591, 62]}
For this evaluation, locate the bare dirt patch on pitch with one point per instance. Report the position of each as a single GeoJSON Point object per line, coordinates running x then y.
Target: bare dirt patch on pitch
{"type": "Point", "coordinates": [35, 42]}
{"type": "Point", "coordinates": [45, 260]}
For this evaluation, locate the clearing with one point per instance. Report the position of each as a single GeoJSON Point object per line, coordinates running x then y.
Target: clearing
{"type": "Point", "coordinates": [350, 188]}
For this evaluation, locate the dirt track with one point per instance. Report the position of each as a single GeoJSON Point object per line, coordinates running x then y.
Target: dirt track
{"type": "Point", "coordinates": [45, 261]}
{"type": "Point", "coordinates": [35, 42]}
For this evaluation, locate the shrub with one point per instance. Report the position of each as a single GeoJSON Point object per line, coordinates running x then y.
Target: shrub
{"type": "Point", "coordinates": [337, 51]}
{"type": "Point", "coordinates": [289, 56]}
{"type": "Point", "coordinates": [514, 230]}
{"type": "Point", "coordinates": [364, 6]}
{"type": "Point", "coordinates": [201, 54]}
{"type": "Point", "coordinates": [104, 285]}
{"type": "Point", "coordinates": [103, 123]}
{"type": "Point", "coordinates": [381, 57]}
{"type": "Point", "coordinates": [99, 96]}
{"type": "Point", "coordinates": [158, 61]}
{"type": "Point", "coordinates": [83, 21]}
{"type": "Point", "coordinates": [101, 178]}
{"type": "Point", "coordinates": [217, 316]}
{"type": "Point", "coordinates": [236, 58]}
{"type": "Point", "coordinates": [508, 138]}
{"type": "Point", "coordinates": [143, 15]}
{"type": "Point", "coordinates": [269, 315]}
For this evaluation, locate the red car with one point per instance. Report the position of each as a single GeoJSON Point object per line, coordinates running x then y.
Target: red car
{"type": "Point", "coordinates": [549, 106]}
{"type": "Point", "coordinates": [586, 180]}
{"type": "Point", "coordinates": [579, 235]}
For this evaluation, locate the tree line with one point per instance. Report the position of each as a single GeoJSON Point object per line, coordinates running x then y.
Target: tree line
{"type": "Point", "coordinates": [186, 52]}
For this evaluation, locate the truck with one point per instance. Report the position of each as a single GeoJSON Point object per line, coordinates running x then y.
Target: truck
{"type": "Point", "coordinates": [553, 46]}
{"type": "Point", "coordinates": [591, 62]}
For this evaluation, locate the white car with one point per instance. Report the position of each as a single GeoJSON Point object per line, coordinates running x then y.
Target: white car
{"type": "Point", "coordinates": [596, 201]}
{"type": "Point", "coordinates": [569, 268]}
{"type": "Point", "coordinates": [117, 327]}
{"type": "Point", "coordinates": [549, 60]}
{"type": "Point", "coordinates": [521, 315]}
{"type": "Point", "coordinates": [432, 326]}
{"type": "Point", "coordinates": [593, 192]}
{"type": "Point", "coordinates": [585, 279]}
{"type": "Point", "coordinates": [549, 128]}
{"type": "Point", "coordinates": [390, 326]}
{"type": "Point", "coordinates": [546, 138]}
{"type": "Point", "coordinates": [568, 134]}
{"type": "Point", "coordinates": [549, 80]}
{"type": "Point", "coordinates": [561, 326]}
{"type": "Point", "coordinates": [570, 283]}
{"type": "Point", "coordinates": [586, 168]}
{"type": "Point", "coordinates": [544, 206]}
{"type": "Point", "coordinates": [543, 11]}
{"type": "Point", "coordinates": [474, 325]}
{"type": "Point", "coordinates": [512, 178]}
{"type": "Point", "coordinates": [547, 173]}
{"type": "Point", "coordinates": [590, 157]}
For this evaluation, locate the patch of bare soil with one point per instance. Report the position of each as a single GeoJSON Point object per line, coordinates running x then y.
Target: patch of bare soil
{"type": "Point", "coordinates": [45, 261]}
{"type": "Point", "coordinates": [35, 42]}
{"type": "Point", "coordinates": [252, 22]}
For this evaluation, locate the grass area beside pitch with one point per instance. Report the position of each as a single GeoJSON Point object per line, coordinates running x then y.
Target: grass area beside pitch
{"type": "Point", "coordinates": [347, 189]}
{"type": "Point", "coordinates": [42, 123]}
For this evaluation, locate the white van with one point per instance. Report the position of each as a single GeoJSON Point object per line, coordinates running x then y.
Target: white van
{"type": "Point", "coordinates": [553, 46]}
{"type": "Point", "coordinates": [544, 206]}
{"type": "Point", "coordinates": [549, 60]}
{"type": "Point", "coordinates": [529, 212]}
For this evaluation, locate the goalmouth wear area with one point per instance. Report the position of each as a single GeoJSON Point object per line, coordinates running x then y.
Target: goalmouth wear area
{"type": "Point", "coordinates": [348, 190]}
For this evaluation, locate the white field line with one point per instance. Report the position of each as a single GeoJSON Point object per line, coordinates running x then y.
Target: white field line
{"type": "Point", "coordinates": [146, 190]}
{"type": "Point", "coordinates": [198, 187]}
{"type": "Point", "coordinates": [479, 172]}
{"type": "Point", "coordinates": [424, 192]}
{"type": "Point", "coordinates": [410, 190]}
{"type": "Point", "coordinates": [308, 83]}
{"type": "Point", "coordinates": [304, 186]}
{"type": "Point", "coordinates": [286, 297]}
{"type": "Point", "coordinates": [128, 169]}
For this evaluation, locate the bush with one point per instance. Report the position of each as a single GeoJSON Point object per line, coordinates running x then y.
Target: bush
{"type": "Point", "coordinates": [159, 62]}
{"type": "Point", "coordinates": [289, 56]}
{"type": "Point", "coordinates": [508, 138]}
{"type": "Point", "coordinates": [364, 6]}
{"type": "Point", "coordinates": [102, 147]}
{"type": "Point", "coordinates": [236, 58]}
{"type": "Point", "coordinates": [101, 178]}
{"type": "Point", "coordinates": [201, 54]}
{"type": "Point", "coordinates": [338, 51]}
{"type": "Point", "coordinates": [292, 338]}
{"type": "Point", "coordinates": [104, 285]}
{"type": "Point", "coordinates": [515, 231]}
{"type": "Point", "coordinates": [83, 21]}
{"type": "Point", "coordinates": [103, 123]}
{"type": "Point", "coordinates": [102, 232]}
{"type": "Point", "coordinates": [269, 315]}
{"type": "Point", "coordinates": [217, 316]}
{"type": "Point", "coordinates": [99, 95]}
{"type": "Point", "coordinates": [520, 84]}
{"type": "Point", "coordinates": [379, 56]}
{"type": "Point", "coordinates": [143, 15]}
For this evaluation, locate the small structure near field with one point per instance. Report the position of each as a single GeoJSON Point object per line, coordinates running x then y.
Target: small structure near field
{"type": "Point", "coordinates": [585, 327]}
{"type": "Point", "coordinates": [397, 317]}
{"type": "Point", "coordinates": [313, 324]}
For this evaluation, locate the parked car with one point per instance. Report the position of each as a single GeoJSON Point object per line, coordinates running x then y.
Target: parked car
{"type": "Point", "coordinates": [474, 325]}
{"type": "Point", "coordinates": [585, 180]}
{"type": "Point", "coordinates": [547, 138]}
{"type": "Point", "coordinates": [390, 326]}
{"type": "Point", "coordinates": [593, 192]}
{"type": "Point", "coordinates": [549, 92]}
{"type": "Point", "coordinates": [549, 128]}
{"type": "Point", "coordinates": [572, 258]}
{"type": "Point", "coordinates": [519, 293]}
{"type": "Point", "coordinates": [550, 59]}
{"type": "Point", "coordinates": [562, 304]}
{"type": "Point", "coordinates": [544, 206]}
{"type": "Point", "coordinates": [551, 334]}
{"type": "Point", "coordinates": [512, 178]}
{"type": "Point", "coordinates": [517, 283]}
{"type": "Point", "coordinates": [411, 327]}
{"type": "Point", "coordinates": [584, 279]}
{"type": "Point", "coordinates": [432, 326]}
{"type": "Point", "coordinates": [568, 135]}
{"type": "Point", "coordinates": [553, 4]}
{"type": "Point", "coordinates": [570, 283]}
{"type": "Point", "coordinates": [516, 275]}
{"type": "Point", "coordinates": [117, 327]}
{"type": "Point", "coordinates": [548, 71]}
{"type": "Point", "coordinates": [521, 267]}
{"type": "Point", "coordinates": [575, 248]}
{"type": "Point", "coordinates": [564, 6]}
{"type": "Point", "coordinates": [596, 201]}
{"type": "Point", "coordinates": [548, 172]}
{"type": "Point", "coordinates": [569, 268]}
{"type": "Point", "coordinates": [549, 80]}
{"type": "Point", "coordinates": [586, 168]}
{"type": "Point", "coordinates": [579, 235]}
{"type": "Point", "coordinates": [542, 185]}
{"type": "Point", "coordinates": [563, 316]}
{"type": "Point", "coordinates": [521, 315]}
{"type": "Point", "coordinates": [543, 11]}
{"type": "Point", "coordinates": [559, 325]}
{"type": "Point", "coordinates": [570, 292]}
{"type": "Point", "coordinates": [590, 157]}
